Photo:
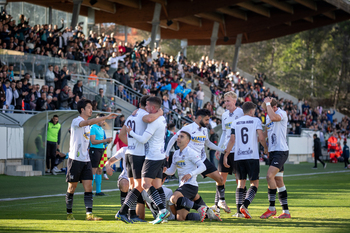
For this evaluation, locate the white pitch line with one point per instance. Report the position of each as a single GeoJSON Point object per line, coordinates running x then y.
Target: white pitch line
{"type": "Point", "coordinates": [170, 185]}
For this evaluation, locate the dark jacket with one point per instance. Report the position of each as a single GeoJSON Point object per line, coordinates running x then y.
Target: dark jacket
{"type": "Point", "coordinates": [76, 91]}
{"type": "Point", "coordinates": [64, 99]}
{"type": "Point", "coordinates": [346, 152]}
{"type": "Point", "coordinates": [317, 147]}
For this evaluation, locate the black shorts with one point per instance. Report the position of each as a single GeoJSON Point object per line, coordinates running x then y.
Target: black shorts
{"type": "Point", "coordinates": [78, 171]}
{"type": "Point", "coordinates": [95, 156]}
{"type": "Point", "coordinates": [134, 165]}
{"type": "Point", "coordinates": [153, 169]}
{"type": "Point", "coordinates": [278, 158]}
{"type": "Point", "coordinates": [188, 190]}
{"type": "Point", "coordinates": [230, 161]}
{"type": "Point", "coordinates": [248, 167]}
{"type": "Point", "coordinates": [210, 168]}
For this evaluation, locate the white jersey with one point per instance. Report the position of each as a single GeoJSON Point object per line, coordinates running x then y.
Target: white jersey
{"type": "Point", "coordinates": [155, 145]}
{"type": "Point", "coordinates": [227, 121]}
{"type": "Point", "coordinates": [277, 132]}
{"type": "Point", "coordinates": [138, 126]}
{"type": "Point", "coordinates": [79, 141]}
{"type": "Point", "coordinates": [121, 155]}
{"type": "Point", "coordinates": [154, 209]}
{"type": "Point", "coordinates": [246, 141]}
{"type": "Point", "coordinates": [186, 162]}
{"type": "Point", "coordinates": [198, 137]}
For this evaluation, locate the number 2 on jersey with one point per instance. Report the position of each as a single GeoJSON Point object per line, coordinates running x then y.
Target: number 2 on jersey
{"type": "Point", "coordinates": [132, 125]}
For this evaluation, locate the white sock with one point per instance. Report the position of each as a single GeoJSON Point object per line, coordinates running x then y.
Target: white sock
{"type": "Point", "coordinates": [286, 211]}
{"type": "Point", "coordinates": [272, 208]}
{"type": "Point", "coordinates": [162, 211]}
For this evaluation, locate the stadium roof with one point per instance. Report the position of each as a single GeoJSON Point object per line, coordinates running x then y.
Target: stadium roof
{"type": "Point", "coordinates": [257, 20]}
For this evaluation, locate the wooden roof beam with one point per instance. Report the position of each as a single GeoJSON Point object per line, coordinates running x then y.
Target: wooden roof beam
{"type": "Point", "coordinates": [211, 16]}
{"type": "Point", "coordinates": [233, 12]}
{"type": "Point", "coordinates": [308, 3]}
{"type": "Point", "coordinates": [309, 19]}
{"type": "Point", "coordinates": [174, 26]}
{"type": "Point", "coordinates": [129, 3]}
{"type": "Point", "coordinates": [280, 5]}
{"type": "Point", "coordinates": [191, 20]}
{"type": "Point", "coordinates": [255, 8]}
{"type": "Point", "coordinates": [102, 5]}
{"type": "Point", "coordinates": [330, 14]}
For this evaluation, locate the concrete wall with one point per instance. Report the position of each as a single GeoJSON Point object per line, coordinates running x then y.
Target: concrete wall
{"type": "Point", "coordinates": [11, 143]}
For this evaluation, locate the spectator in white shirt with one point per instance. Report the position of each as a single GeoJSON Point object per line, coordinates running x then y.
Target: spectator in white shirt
{"type": "Point", "coordinates": [200, 97]}
{"type": "Point", "coordinates": [11, 96]}
{"type": "Point", "coordinates": [113, 61]}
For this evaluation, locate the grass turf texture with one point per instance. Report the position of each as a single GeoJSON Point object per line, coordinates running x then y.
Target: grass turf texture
{"type": "Point", "coordinates": [318, 203]}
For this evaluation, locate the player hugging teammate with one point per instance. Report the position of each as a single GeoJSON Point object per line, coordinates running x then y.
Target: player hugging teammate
{"type": "Point", "coordinates": [145, 161]}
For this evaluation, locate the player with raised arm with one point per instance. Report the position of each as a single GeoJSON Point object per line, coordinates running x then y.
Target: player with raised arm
{"type": "Point", "coordinates": [188, 164]}
{"type": "Point", "coordinates": [276, 125]}
{"type": "Point", "coordinates": [244, 134]}
{"type": "Point", "coordinates": [232, 113]}
{"type": "Point", "coordinates": [152, 169]}
{"type": "Point", "coordinates": [134, 158]}
{"type": "Point", "coordinates": [79, 165]}
{"type": "Point", "coordinates": [199, 139]}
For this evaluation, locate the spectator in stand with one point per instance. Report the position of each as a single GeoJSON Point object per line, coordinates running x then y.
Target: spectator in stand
{"type": "Point", "coordinates": [200, 97]}
{"type": "Point", "coordinates": [64, 77]}
{"type": "Point", "coordinates": [102, 100]}
{"type": "Point", "coordinates": [74, 104]}
{"type": "Point", "coordinates": [41, 103]}
{"type": "Point", "coordinates": [50, 76]}
{"type": "Point", "coordinates": [21, 95]}
{"type": "Point", "coordinates": [2, 94]}
{"type": "Point", "coordinates": [78, 89]}
{"type": "Point", "coordinates": [330, 116]}
{"type": "Point", "coordinates": [65, 98]}
{"type": "Point", "coordinates": [11, 96]}
{"type": "Point", "coordinates": [103, 75]}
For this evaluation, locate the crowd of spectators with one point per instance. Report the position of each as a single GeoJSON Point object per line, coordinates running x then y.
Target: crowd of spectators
{"type": "Point", "coordinates": [141, 71]}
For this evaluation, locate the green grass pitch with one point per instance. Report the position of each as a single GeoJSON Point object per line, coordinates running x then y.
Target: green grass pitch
{"type": "Point", "coordinates": [318, 203]}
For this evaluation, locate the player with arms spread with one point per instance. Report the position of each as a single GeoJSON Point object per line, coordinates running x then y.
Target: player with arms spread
{"type": "Point", "coordinates": [244, 134]}
{"type": "Point", "coordinates": [233, 113]}
{"type": "Point", "coordinates": [188, 164]}
{"type": "Point", "coordinates": [276, 124]}
{"type": "Point", "coordinates": [152, 169]}
{"type": "Point", "coordinates": [79, 165]}
{"type": "Point", "coordinates": [134, 158]}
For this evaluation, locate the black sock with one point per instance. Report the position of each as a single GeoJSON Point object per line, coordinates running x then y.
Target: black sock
{"type": "Point", "coordinates": [193, 217]}
{"type": "Point", "coordinates": [162, 195]}
{"type": "Point", "coordinates": [250, 196]}
{"type": "Point", "coordinates": [271, 193]}
{"type": "Point", "coordinates": [155, 197]}
{"type": "Point", "coordinates": [130, 199]}
{"type": "Point", "coordinates": [88, 201]}
{"type": "Point", "coordinates": [282, 196]}
{"type": "Point", "coordinates": [69, 202]}
{"type": "Point", "coordinates": [122, 197]}
{"type": "Point", "coordinates": [200, 202]}
{"type": "Point", "coordinates": [245, 192]}
{"type": "Point", "coordinates": [221, 191]}
{"type": "Point", "coordinates": [239, 198]}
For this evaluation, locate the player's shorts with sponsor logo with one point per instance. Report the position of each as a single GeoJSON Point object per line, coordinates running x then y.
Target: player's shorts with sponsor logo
{"type": "Point", "coordinates": [78, 171]}
{"type": "Point", "coordinates": [278, 159]}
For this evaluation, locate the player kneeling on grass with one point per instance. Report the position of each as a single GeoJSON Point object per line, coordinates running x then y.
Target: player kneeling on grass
{"type": "Point", "coordinates": [123, 181]}
{"type": "Point", "coordinates": [244, 134]}
{"type": "Point", "coordinates": [189, 165]}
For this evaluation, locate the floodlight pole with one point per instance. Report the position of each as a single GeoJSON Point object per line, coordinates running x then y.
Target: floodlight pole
{"type": "Point", "coordinates": [237, 47]}
{"type": "Point", "coordinates": [213, 39]}
{"type": "Point", "coordinates": [76, 11]}
{"type": "Point", "coordinates": [155, 24]}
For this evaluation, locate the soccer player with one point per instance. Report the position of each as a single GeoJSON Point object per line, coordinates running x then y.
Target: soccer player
{"type": "Point", "coordinates": [152, 169]}
{"type": "Point", "coordinates": [79, 165]}
{"type": "Point", "coordinates": [244, 134]}
{"type": "Point", "coordinates": [98, 142]}
{"type": "Point", "coordinates": [233, 113]}
{"type": "Point", "coordinates": [189, 164]}
{"type": "Point", "coordinates": [276, 124]}
{"type": "Point", "coordinates": [135, 157]}
{"type": "Point", "coordinates": [123, 181]}
{"type": "Point", "coordinates": [199, 139]}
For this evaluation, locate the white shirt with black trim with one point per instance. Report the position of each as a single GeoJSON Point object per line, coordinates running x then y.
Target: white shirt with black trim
{"type": "Point", "coordinates": [246, 137]}
{"type": "Point", "coordinates": [227, 121]}
{"type": "Point", "coordinates": [121, 155]}
{"type": "Point", "coordinates": [138, 126]}
{"type": "Point", "coordinates": [79, 141]}
{"type": "Point", "coordinates": [277, 132]}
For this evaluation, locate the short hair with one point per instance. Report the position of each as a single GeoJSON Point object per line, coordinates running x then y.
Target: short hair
{"type": "Point", "coordinates": [187, 134]}
{"type": "Point", "coordinates": [203, 113]}
{"type": "Point", "coordinates": [100, 115]}
{"type": "Point", "coordinates": [274, 102]}
{"type": "Point", "coordinates": [231, 94]}
{"type": "Point", "coordinates": [100, 89]}
{"type": "Point", "coordinates": [247, 106]}
{"type": "Point", "coordinates": [315, 135]}
{"type": "Point", "coordinates": [171, 126]}
{"type": "Point", "coordinates": [55, 116]}
{"type": "Point", "coordinates": [122, 116]}
{"type": "Point", "coordinates": [82, 104]}
{"type": "Point", "coordinates": [155, 101]}
{"type": "Point", "coordinates": [143, 100]}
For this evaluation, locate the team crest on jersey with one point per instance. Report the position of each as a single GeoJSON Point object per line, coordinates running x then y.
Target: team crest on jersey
{"type": "Point", "coordinates": [180, 163]}
{"type": "Point", "coordinates": [198, 139]}
{"type": "Point", "coordinates": [269, 125]}
{"type": "Point", "coordinates": [86, 135]}
{"type": "Point", "coordinates": [228, 125]}
{"type": "Point", "coordinates": [245, 152]}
